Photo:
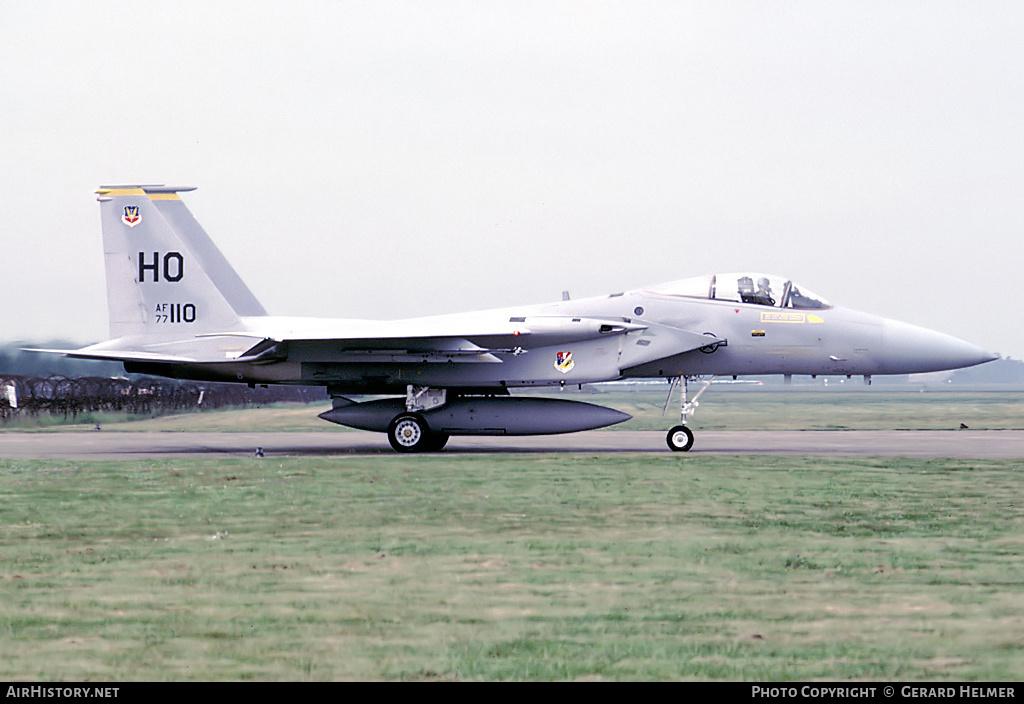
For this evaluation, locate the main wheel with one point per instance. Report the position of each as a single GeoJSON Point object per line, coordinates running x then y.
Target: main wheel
{"type": "Point", "coordinates": [680, 439]}
{"type": "Point", "coordinates": [408, 432]}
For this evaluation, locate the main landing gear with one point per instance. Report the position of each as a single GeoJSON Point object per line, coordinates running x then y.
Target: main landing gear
{"type": "Point", "coordinates": [680, 437]}
{"type": "Point", "coordinates": [409, 432]}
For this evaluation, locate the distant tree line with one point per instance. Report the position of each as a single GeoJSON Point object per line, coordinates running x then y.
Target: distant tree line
{"type": "Point", "coordinates": [70, 396]}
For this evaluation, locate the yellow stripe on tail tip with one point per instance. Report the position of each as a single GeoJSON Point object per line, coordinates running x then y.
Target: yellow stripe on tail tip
{"type": "Point", "coordinates": [121, 192]}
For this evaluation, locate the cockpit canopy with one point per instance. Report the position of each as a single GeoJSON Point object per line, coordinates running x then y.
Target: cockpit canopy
{"type": "Point", "coordinates": [759, 289]}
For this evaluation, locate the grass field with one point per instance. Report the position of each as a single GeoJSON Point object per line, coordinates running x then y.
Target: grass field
{"type": "Point", "coordinates": [512, 567]}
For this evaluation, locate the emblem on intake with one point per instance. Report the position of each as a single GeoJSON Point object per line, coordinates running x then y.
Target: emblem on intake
{"type": "Point", "coordinates": [563, 361]}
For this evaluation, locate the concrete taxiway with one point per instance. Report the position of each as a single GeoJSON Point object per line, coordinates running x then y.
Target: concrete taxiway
{"type": "Point", "coordinates": [105, 444]}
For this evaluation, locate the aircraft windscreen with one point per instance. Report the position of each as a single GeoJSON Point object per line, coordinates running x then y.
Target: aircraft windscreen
{"type": "Point", "coordinates": [758, 289]}
{"type": "Point", "coordinates": [766, 290]}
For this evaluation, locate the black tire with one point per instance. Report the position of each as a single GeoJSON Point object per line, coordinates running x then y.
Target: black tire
{"type": "Point", "coordinates": [436, 441]}
{"type": "Point", "coordinates": [680, 439]}
{"type": "Point", "coordinates": [408, 432]}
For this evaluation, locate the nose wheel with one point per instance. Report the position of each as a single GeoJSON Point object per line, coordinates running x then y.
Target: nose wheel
{"type": "Point", "coordinates": [680, 439]}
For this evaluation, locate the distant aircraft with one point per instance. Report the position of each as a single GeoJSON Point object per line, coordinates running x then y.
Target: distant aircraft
{"type": "Point", "coordinates": [178, 309]}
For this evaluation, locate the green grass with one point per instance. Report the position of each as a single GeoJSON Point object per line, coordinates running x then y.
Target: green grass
{"type": "Point", "coordinates": [512, 567]}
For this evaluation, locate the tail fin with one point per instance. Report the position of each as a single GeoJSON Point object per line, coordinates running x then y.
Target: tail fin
{"type": "Point", "coordinates": [165, 276]}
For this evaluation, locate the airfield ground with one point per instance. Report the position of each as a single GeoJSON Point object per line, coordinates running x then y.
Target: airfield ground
{"type": "Point", "coordinates": [520, 565]}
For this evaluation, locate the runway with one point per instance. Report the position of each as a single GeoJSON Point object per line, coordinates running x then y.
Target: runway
{"type": "Point", "coordinates": [105, 444]}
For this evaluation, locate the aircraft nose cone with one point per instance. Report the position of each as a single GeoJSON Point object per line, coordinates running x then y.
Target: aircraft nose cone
{"type": "Point", "coordinates": [910, 349]}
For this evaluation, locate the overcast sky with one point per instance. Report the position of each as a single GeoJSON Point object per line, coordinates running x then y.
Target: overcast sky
{"type": "Point", "coordinates": [393, 159]}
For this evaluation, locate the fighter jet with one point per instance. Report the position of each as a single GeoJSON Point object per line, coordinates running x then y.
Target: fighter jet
{"type": "Point", "coordinates": [178, 309]}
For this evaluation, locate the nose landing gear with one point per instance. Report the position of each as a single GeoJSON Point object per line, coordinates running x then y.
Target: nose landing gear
{"type": "Point", "coordinates": [680, 437]}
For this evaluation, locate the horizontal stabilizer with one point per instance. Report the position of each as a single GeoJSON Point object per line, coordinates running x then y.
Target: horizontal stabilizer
{"type": "Point", "coordinates": [134, 356]}
{"type": "Point", "coordinates": [207, 350]}
{"type": "Point", "coordinates": [112, 355]}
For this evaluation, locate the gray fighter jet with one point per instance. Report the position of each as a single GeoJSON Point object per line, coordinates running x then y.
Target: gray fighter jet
{"type": "Point", "coordinates": [178, 309]}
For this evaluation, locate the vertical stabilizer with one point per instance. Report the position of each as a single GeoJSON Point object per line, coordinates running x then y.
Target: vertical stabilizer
{"type": "Point", "coordinates": [165, 276]}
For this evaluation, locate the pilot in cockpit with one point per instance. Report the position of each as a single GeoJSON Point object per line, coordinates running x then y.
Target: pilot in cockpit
{"type": "Point", "coordinates": [764, 292]}
{"type": "Point", "coordinates": [762, 296]}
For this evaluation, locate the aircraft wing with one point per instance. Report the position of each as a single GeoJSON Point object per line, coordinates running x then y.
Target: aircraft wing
{"type": "Point", "coordinates": [524, 331]}
{"type": "Point", "coordinates": [273, 340]}
{"type": "Point", "coordinates": [434, 339]}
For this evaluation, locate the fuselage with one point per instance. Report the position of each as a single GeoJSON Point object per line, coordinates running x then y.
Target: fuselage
{"type": "Point", "coordinates": [745, 338]}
